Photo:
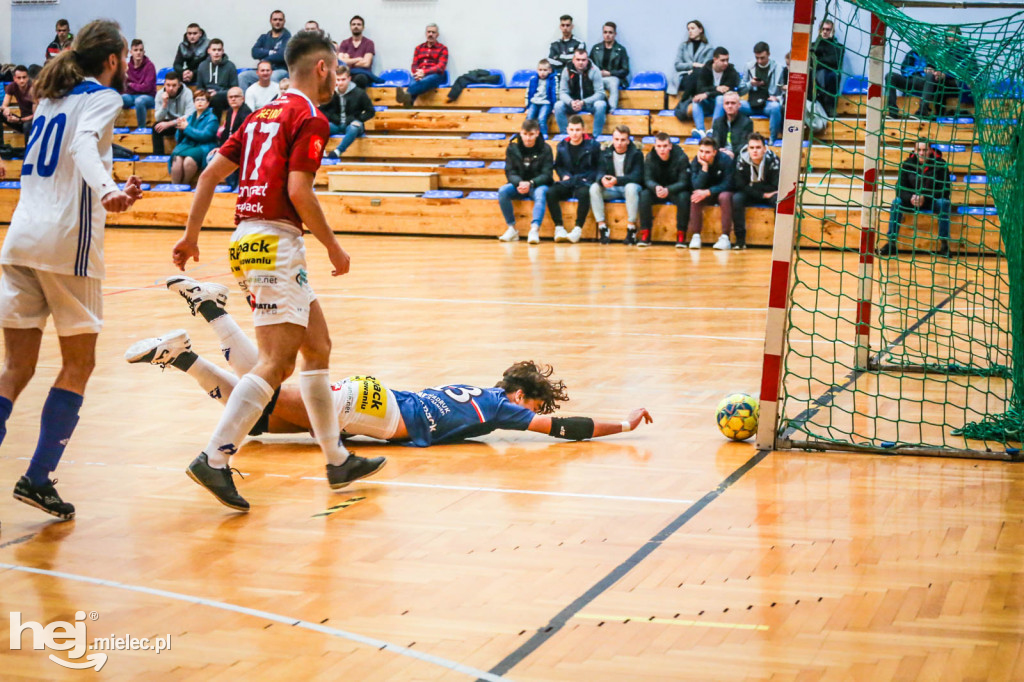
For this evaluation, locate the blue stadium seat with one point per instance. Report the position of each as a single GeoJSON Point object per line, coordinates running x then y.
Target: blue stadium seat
{"type": "Point", "coordinates": [394, 78]}
{"type": "Point", "coordinates": [1009, 88]}
{"type": "Point", "coordinates": [143, 186]}
{"type": "Point", "coordinates": [483, 194]}
{"type": "Point", "coordinates": [977, 210]}
{"type": "Point", "coordinates": [155, 158]}
{"type": "Point", "coordinates": [442, 194]}
{"type": "Point", "coordinates": [161, 73]}
{"type": "Point", "coordinates": [223, 189]}
{"type": "Point", "coordinates": [121, 131]}
{"type": "Point", "coordinates": [855, 85]}
{"type": "Point", "coordinates": [963, 120]}
{"type": "Point", "coordinates": [142, 131]}
{"type": "Point", "coordinates": [497, 165]}
{"type": "Point", "coordinates": [447, 82]}
{"type": "Point", "coordinates": [10, 184]}
{"type": "Point", "coordinates": [171, 187]}
{"type": "Point", "coordinates": [651, 140]}
{"type": "Point", "coordinates": [486, 136]}
{"type": "Point", "coordinates": [505, 110]}
{"type": "Point", "coordinates": [648, 80]}
{"type": "Point", "coordinates": [464, 163]}
{"type": "Point", "coordinates": [499, 84]}
{"type": "Point", "coordinates": [521, 78]}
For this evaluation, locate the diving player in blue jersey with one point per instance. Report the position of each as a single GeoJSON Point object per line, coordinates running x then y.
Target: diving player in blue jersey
{"type": "Point", "coordinates": [522, 400]}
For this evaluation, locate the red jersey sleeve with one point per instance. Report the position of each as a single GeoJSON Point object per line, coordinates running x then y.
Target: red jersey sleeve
{"type": "Point", "coordinates": [308, 146]}
{"type": "Point", "coordinates": [232, 149]}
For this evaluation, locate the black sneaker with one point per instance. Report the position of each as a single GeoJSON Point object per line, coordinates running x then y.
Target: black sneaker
{"type": "Point", "coordinates": [604, 235]}
{"type": "Point", "coordinates": [217, 481]}
{"type": "Point", "coordinates": [630, 239]}
{"type": "Point", "coordinates": [888, 249]}
{"type": "Point", "coordinates": [943, 249]}
{"type": "Point", "coordinates": [352, 469]}
{"type": "Point", "coordinates": [43, 497]}
{"type": "Point", "coordinates": [741, 244]}
{"type": "Point", "coordinates": [403, 97]}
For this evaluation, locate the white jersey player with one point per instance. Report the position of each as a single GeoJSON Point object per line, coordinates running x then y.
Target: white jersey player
{"type": "Point", "coordinates": [52, 256]}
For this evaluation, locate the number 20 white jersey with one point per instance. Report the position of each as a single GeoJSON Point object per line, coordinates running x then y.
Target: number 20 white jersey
{"type": "Point", "coordinates": [58, 223]}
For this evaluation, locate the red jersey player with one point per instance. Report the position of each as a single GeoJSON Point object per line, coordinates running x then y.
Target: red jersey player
{"type": "Point", "coordinates": [277, 152]}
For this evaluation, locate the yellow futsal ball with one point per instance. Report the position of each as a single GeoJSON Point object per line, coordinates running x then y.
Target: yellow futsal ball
{"type": "Point", "coordinates": [737, 416]}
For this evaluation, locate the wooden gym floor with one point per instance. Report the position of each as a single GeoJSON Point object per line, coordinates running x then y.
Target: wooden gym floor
{"type": "Point", "coordinates": [662, 554]}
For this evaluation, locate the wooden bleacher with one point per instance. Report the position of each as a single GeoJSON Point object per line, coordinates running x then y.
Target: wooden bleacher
{"type": "Point", "coordinates": [432, 139]}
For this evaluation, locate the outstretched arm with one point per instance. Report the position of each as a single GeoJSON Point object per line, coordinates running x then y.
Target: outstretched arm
{"type": "Point", "coordinates": [582, 428]}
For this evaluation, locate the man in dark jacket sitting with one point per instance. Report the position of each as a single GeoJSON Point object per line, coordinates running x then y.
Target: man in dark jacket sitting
{"type": "Point", "coordinates": [732, 128]}
{"type": "Point", "coordinates": [923, 185]}
{"type": "Point", "coordinates": [216, 75]}
{"type": "Point", "coordinates": [348, 111]}
{"type": "Point", "coordinates": [828, 67]}
{"type": "Point", "coordinates": [575, 170]}
{"type": "Point", "coordinates": [756, 181]}
{"type": "Point", "coordinates": [711, 175]}
{"type": "Point", "coordinates": [620, 174]}
{"type": "Point", "coordinates": [613, 61]}
{"type": "Point", "coordinates": [714, 80]}
{"type": "Point", "coordinates": [666, 181]}
{"type": "Point", "coordinates": [528, 165]}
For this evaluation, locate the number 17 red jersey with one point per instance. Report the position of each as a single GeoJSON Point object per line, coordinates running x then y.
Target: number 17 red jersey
{"type": "Point", "coordinates": [286, 135]}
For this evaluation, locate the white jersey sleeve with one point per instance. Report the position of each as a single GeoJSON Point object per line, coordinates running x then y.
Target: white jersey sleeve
{"type": "Point", "coordinates": [58, 223]}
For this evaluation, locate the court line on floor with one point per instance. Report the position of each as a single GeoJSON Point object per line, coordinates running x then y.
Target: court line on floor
{"type": "Point", "coordinates": [435, 486]}
{"type": "Point", "coordinates": [562, 617]}
{"type": "Point", "coordinates": [265, 615]}
{"type": "Point", "coordinates": [826, 398]}
{"type": "Point", "coordinates": [672, 621]}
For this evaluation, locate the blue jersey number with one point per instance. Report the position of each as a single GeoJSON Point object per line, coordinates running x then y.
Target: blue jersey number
{"type": "Point", "coordinates": [458, 393]}
{"type": "Point", "coordinates": [46, 155]}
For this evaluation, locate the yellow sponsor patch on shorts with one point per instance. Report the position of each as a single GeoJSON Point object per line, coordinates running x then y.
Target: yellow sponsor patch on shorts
{"type": "Point", "coordinates": [371, 398]}
{"type": "Point", "coordinates": [253, 252]}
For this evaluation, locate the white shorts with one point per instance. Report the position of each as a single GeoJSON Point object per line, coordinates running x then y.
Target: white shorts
{"type": "Point", "coordinates": [269, 263]}
{"type": "Point", "coordinates": [365, 408]}
{"type": "Point", "coordinates": [29, 296]}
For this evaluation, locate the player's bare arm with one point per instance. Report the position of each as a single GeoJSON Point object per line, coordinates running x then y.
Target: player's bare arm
{"type": "Point", "coordinates": [300, 191]}
{"type": "Point", "coordinates": [188, 246]}
{"type": "Point", "coordinates": [578, 428]}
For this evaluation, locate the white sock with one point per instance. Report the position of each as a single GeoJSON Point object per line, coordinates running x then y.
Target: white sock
{"type": "Point", "coordinates": [238, 349]}
{"type": "Point", "coordinates": [217, 383]}
{"type": "Point", "coordinates": [241, 413]}
{"type": "Point", "coordinates": [315, 388]}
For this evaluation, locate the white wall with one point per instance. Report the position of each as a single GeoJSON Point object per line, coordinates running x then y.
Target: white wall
{"type": "Point", "coordinates": [475, 35]}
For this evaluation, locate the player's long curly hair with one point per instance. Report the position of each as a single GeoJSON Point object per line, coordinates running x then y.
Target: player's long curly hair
{"type": "Point", "coordinates": [88, 54]}
{"type": "Point", "coordinates": [535, 382]}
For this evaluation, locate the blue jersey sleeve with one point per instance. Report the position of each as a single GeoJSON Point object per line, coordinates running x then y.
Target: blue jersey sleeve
{"type": "Point", "coordinates": [508, 415]}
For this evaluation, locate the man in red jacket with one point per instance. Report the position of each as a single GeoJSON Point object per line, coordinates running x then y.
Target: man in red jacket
{"type": "Point", "coordinates": [140, 84]}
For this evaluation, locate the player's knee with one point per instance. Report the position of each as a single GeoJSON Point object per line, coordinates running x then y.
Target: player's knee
{"type": "Point", "coordinates": [18, 373]}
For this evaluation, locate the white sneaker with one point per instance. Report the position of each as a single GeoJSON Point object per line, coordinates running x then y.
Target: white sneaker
{"type": "Point", "coordinates": [161, 350]}
{"type": "Point", "coordinates": [534, 236]}
{"type": "Point", "coordinates": [195, 292]}
{"type": "Point", "coordinates": [510, 235]}
{"type": "Point", "coordinates": [723, 243]}
{"type": "Point", "coordinates": [575, 235]}
{"type": "Point", "coordinates": [560, 234]}
{"type": "Point", "coordinates": [695, 241]}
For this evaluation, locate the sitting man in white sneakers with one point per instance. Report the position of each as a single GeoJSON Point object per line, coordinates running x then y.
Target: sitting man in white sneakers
{"type": "Point", "coordinates": [575, 171]}
{"type": "Point", "coordinates": [619, 176]}
{"type": "Point", "coordinates": [711, 176]}
{"type": "Point", "coordinates": [528, 164]}
{"type": "Point", "coordinates": [520, 400]}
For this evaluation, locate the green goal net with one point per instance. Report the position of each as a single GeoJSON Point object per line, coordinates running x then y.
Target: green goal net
{"type": "Point", "coordinates": [907, 295]}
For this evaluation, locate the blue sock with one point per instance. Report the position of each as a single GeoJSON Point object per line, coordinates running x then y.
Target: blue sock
{"type": "Point", "coordinates": [60, 416]}
{"type": "Point", "coordinates": [5, 412]}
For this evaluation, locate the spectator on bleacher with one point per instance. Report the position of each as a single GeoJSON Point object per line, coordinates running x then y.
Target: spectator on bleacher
{"type": "Point", "coordinates": [923, 185]}
{"type": "Point", "coordinates": [784, 82]}
{"type": "Point", "coordinates": [62, 41]}
{"type": "Point", "coordinates": [581, 88]}
{"type": "Point", "coordinates": [234, 117]}
{"type": "Point", "coordinates": [217, 75]}
{"type": "Point", "coordinates": [761, 81]}
{"type": "Point", "coordinates": [713, 81]}
{"type": "Point", "coordinates": [191, 52]}
{"type": "Point", "coordinates": [561, 51]}
{"type": "Point", "coordinates": [140, 84]}
{"type": "Point", "coordinates": [911, 80]}
{"type": "Point", "coordinates": [269, 48]}
{"type": "Point", "coordinates": [357, 54]}
{"type": "Point", "coordinates": [666, 181]}
{"type": "Point", "coordinates": [620, 175]}
{"type": "Point", "coordinates": [196, 137]}
{"type": "Point", "coordinates": [173, 104]}
{"type": "Point", "coordinates": [711, 177]}
{"type": "Point", "coordinates": [541, 95]}
{"type": "Point", "coordinates": [314, 25]}
{"type": "Point", "coordinates": [828, 67]}
{"type": "Point", "coordinates": [613, 61]}
{"type": "Point", "coordinates": [348, 111]}
{"type": "Point", "coordinates": [692, 56]}
{"type": "Point", "coordinates": [756, 181]}
{"type": "Point", "coordinates": [528, 166]}
{"type": "Point", "coordinates": [940, 86]}
{"type": "Point", "coordinates": [429, 61]}
{"type": "Point", "coordinates": [19, 93]}
{"type": "Point", "coordinates": [576, 162]}
{"type": "Point", "coordinates": [264, 90]}
{"type": "Point", "coordinates": [733, 127]}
